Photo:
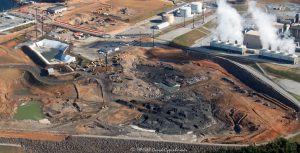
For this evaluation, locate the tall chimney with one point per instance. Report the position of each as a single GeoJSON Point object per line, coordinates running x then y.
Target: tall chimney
{"type": "Point", "coordinates": [297, 18]}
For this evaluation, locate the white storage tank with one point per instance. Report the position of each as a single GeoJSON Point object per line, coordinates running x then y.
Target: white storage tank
{"type": "Point", "coordinates": [293, 58]}
{"type": "Point", "coordinates": [185, 11]}
{"type": "Point", "coordinates": [196, 7]}
{"type": "Point", "coordinates": [162, 25]}
{"type": "Point", "coordinates": [168, 18]}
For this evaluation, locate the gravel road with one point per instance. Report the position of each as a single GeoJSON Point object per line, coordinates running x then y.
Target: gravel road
{"type": "Point", "coordinates": [82, 144]}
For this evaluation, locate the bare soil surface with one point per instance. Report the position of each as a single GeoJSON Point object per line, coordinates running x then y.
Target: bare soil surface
{"type": "Point", "coordinates": [160, 89]}
{"type": "Point", "coordinates": [110, 16]}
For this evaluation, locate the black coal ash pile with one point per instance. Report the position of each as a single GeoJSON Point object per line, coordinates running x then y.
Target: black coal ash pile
{"type": "Point", "coordinates": [179, 114]}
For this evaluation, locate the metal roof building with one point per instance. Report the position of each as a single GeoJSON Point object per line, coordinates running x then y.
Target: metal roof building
{"type": "Point", "coordinates": [57, 9]}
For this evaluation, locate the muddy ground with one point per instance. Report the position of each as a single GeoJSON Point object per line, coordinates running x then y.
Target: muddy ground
{"type": "Point", "coordinates": [160, 89]}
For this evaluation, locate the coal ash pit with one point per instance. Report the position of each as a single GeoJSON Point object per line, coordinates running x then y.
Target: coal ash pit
{"type": "Point", "coordinates": [177, 116]}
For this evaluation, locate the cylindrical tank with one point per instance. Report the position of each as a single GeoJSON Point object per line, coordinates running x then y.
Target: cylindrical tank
{"type": "Point", "coordinates": [185, 11]}
{"type": "Point", "coordinates": [196, 7]}
{"type": "Point", "coordinates": [168, 18]}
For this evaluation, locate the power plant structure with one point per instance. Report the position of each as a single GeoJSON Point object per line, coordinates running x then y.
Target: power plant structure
{"type": "Point", "coordinates": [197, 7]}
{"type": "Point", "coordinates": [185, 11]}
{"type": "Point", "coordinates": [166, 17]}
{"type": "Point", "coordinates": [162, 25]}
{"type": "Point", "coordinates": [263, 53]}
{"type": "Point", "coordinates": [228, 47]}
{"type": "Point", "coordinates": [279, 56]}
{"type": "Point", "coordinates": [190, 9]}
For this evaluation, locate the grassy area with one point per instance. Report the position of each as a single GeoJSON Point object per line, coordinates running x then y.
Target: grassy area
{"type": "Point", "coordinates": [21, 27]}
{"type": "Point", "coordinates": [295, 139]}
{"type": "Point", "coordinates": [29, 111]}
{"type": "Point", "coordinates": [280, 145]}
{"type": "Point", "coordinates": [240, 7]}
{"type": "Point", "coordinates": [296, 96]}
{"type": "Point", "coordinates": [288, 73]}
{"type": "Point", "coordinates": [211, 24]}
{"type": "Point", "coordinates": [190, 38]}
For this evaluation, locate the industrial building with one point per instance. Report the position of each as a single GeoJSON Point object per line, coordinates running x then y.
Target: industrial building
{"type": "Point", "coordinates": [252, 40]}
{"type": "Point", "coordinates": [57, 9]}
{"type": "Point", "coordinates": [197, 7]}
{"type": "Point", "coordinates": [162, 25]}
{"type": "Point", "coordinates": [228, 47]}
{"type": "Point", "coordinates": [279, 56]}
{"type": "Point", "coordinates": [295, 32]}
{"type": "Point", "coordinates": [185, 11]}
{"type": "Point", "coordinates": [166, 17]}
{"type": "Point", "coordinates": [52, 52]}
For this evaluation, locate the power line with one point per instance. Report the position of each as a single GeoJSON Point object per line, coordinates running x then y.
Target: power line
{"type": "Point", "coordinates": [153, 38]}
{"type": "Point", "coordinates": [36, 24]}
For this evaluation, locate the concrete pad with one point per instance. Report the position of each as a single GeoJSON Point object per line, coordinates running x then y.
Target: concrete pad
{"type": "Point", "coordinates": [290, 85]}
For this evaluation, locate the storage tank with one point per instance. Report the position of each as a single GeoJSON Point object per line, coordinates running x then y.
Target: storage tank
{"type": "Point", "coordinates": [168, 18]}
{"type": "Point", "coordinates": [196, 7]}
{"type": "Point", "coordinates": [162, 25]}
{"type": "Point", "coordinates": [185, 11]}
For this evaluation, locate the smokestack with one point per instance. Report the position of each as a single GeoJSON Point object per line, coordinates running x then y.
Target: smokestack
{"type": "Point", "coordinates": [297, 18]}
{"type": "Point", "coordinates": [268, 32]}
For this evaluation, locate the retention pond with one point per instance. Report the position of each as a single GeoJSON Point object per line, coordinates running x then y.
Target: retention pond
{"type": "Point", "coordinates": [31, 110]}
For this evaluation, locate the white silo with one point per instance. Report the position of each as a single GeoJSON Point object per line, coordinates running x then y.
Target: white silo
{"type": "Point", "coordinates": [196, 7]}
{"type": "Point", "coordinates": [168, 18]}
{"type": "Point", "coordinates": [185, 11]}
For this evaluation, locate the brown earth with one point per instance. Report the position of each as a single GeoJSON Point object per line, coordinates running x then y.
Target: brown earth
{"type": "Point", "coordinates": [270, 120]}
{"type": "Point", "coordinates": [263, 121]}
{"type": "Point", "coordinates": [89, 14]}
{"type": "Point", "coordinates": [45, 136]}
{"type": "Point", "coordinates": [121, 116]}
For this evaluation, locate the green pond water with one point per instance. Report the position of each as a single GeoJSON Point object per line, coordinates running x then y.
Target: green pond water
{"type": "Point", "coordinates": [29, 111]}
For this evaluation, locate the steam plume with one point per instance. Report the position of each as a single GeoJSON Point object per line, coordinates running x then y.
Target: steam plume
{"type": "Point", "coordinates": [229, 23]}
{"type": "Point", "coordinates": [268, 33]}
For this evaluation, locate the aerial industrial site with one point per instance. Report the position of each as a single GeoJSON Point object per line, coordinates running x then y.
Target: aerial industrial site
{"type": "Point", "coordinates": [148, 75]}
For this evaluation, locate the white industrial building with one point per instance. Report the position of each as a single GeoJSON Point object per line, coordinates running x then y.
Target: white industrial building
{"type": "Point", "coordinates": [279, 56]}
{"type": "Point", "coordinates": [57, 9]}
{"type": "Point", "coordinates": [162, 25]}
{"type": "Point", "coordinates": [252, 40]}
{"type": "Point", "coordinates": [185, 11]}
{"type": "Point", "coordinates": [52, 52]}
{"type": "Point", "coordinates": [197, 7]}
{"type": "Point", "coordinates": [229, 47]}
{"type": "Point", "coordinates": [166, 17]}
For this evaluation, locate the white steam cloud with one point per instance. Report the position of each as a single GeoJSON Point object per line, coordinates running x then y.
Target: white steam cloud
{"type": "Point", "coordinates": [268, 32]}
{"type": "Point", "coordinates": [229, 23]}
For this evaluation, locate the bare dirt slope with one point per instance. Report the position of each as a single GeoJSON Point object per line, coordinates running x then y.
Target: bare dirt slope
{"type": "Point", "coordinates": [162, 89]}
{"type": "Point", "coordinates": [241, 114]}
{"type": "Point", "coordinates": [110, 16]}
